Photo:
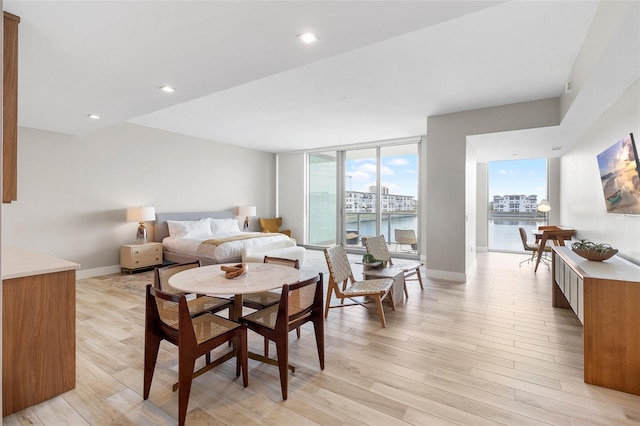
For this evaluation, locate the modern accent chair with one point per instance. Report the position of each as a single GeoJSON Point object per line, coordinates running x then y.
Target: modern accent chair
{"type": "Point", "coordinates": [200, 303]}
{"type": "Point", "coordinates": [377, 247]}
{"type": "Point", "coordinates": [406, 237]}
{"type": "Point", "coordinates": [533, 248]}
{"type": "Point", "coordinates": [345, 286]}
{"type": "Point", "coordinates": [299, 303]}
{"type": "Point", "coordinates": [273, 225]}
{"type": "Point", "coordinates": [167, 317]}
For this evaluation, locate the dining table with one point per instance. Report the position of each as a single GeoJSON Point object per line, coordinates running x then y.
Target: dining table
{"type": "Point", "coordinates": [211, 280]}
{"type": "Point", "coordinates": [258, 277]}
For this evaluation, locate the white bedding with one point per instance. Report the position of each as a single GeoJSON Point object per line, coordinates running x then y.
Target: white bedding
{"type": "Point", "coordinates": [192, 245]}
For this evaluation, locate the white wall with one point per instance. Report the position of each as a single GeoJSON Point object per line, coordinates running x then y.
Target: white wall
{"type": "Point", "coordinates": [73, 191]}
{"type": "Point", "coordinates": [582, 202]}
{"type": "Point", "coordinates": [449, 204]}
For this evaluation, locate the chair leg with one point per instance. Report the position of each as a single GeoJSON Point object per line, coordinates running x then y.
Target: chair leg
{"type": "Point", "coordinates": [298, 332]}
{"type": "Point", "coordinates": [391, 301]}
{"type": "Point", "coordinates": [328, 301]}
{"type": "Point", "coordinates": [266, 347]}
{"type": "Point", "coordinates": [381, 311]}
{"type": "Point", "coordinates": [185, 376]}
{"type": "Point", "coordinates": [282, 349]}
{"type": "Point", "coordinates": [151, 349]}
{"type": "Point", "coordinates": [242, 357]}
{"type": "Point", "coordinates": [419, 277]}
{"type": "Point", "coordinates": [318, 327]}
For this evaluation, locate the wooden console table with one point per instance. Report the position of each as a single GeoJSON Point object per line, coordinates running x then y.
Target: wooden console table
{"type": "Point", "coordinates": [606, 298]}
{"type": "Point", "coordinates": [38, 328]}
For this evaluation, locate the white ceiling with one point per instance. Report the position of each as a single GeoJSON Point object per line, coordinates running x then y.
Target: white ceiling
{"type": "Point", "coordinates": [242, 77]}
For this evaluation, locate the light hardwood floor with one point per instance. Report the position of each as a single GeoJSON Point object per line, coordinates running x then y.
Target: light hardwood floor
{"type": "Point", "coordinates": [490, 351]}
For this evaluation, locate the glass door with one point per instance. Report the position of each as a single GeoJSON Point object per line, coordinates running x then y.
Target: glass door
{"type": "Point", "coordinates": [399, 196]}
{"type": "Point", "coordinates": [361, 201]}
{"type": "Point", "coordinates": [364, 192]}
{"type": "Point", "coordinates": [322, 171]}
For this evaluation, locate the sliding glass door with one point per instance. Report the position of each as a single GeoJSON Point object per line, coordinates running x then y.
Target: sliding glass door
{"type": "Point", "coordinates": [374, 192]}
{"type": "Point", "coordinates": [322, 171]}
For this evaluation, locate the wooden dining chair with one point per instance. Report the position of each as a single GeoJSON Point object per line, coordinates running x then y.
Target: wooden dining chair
{"type": "Point", "coordinates": [267, 298]}
{"type": "Point", "coordinates": [377, 247]}
{"type": "Point", "coordinates": [299, 303]}
{"type": "Point", "coordinates": [533, 248]}
{"type": "Point", "coordinates": [344, 285]}
{"type": "Point", "coordinates": [198, 304]}
{"type": "Point", "coordinates": [167, 317]}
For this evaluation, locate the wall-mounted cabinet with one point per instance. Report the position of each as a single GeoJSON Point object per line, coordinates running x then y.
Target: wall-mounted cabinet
{"type": "Point", "coordinates": [10, 110]}
{"type": "Point", "coordinates": [606, 298]}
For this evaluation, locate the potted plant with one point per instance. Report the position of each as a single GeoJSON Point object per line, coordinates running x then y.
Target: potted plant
{"type": "Point", "coordinates": [370, 262]}
{"type": "Point", "coordinates": [593, 251]}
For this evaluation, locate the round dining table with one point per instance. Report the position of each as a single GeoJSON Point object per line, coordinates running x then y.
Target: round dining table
{"type": "Point", "coordinates": [211, 280]}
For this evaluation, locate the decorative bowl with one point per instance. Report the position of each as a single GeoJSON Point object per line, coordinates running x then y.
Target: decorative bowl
{"type": "Point", "coordinates": [234, 270]}
{"type": "Point", "coordinates": [597, 256]}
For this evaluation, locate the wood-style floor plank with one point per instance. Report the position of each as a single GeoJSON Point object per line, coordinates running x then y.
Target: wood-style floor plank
{"type": "Point", "coordinates": [491, 351]}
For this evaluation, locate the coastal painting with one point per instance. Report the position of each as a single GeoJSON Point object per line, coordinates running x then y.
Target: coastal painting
{"type": "Point", "coordinates": [619, 174]}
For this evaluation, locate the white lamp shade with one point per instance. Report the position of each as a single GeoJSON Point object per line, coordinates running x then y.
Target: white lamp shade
{"type": "Point", "coordinates": [247, 211]}
{"type": "Point", "coordinates": [544, 206]}
{"type": "Point", "coordinates": [141, 214]}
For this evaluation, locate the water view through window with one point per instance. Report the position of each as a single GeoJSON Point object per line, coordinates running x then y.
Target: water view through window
{"type": "Point", "coordinates": [515, 189]}
{"type": "Point", "coordinates": [378, 195]}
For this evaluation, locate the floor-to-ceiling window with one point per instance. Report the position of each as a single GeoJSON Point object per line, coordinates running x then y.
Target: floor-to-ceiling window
{"type": "Point", "coordinates": [322, 172]}
{"type": "Point", "coordinates": [516, 188]}
{"type": "Point", "coordinates": [375, 189]}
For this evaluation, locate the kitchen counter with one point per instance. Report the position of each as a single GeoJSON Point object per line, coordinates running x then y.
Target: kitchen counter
{"type": "Point", "coordinates": [18, 263]}
{"type": "Point", "coordinates": [38, 328]}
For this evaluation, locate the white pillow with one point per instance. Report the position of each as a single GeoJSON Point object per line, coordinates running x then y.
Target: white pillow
{"type": "Point", "coordinates": [223, 226]}
{"type": "Point", "coordinates": [189, 228]}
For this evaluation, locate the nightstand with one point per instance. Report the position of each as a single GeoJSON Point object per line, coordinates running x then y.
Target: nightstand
{"type": "Point", "coordinates": [134, 257]}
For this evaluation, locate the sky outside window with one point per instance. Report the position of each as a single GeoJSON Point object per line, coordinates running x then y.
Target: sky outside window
{"type": "Point", "coordinates": [398, 173]}
{"type": "Point", "coordinates": [515, 177]}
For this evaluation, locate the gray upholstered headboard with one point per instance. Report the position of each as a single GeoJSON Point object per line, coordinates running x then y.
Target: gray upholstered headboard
{"type": "Point", "coordinates": [161, 230]}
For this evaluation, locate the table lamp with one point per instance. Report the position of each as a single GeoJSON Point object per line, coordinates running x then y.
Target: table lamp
{"type": "Point", "coordinates": [246, 211]}
{"type": "Point", "coordinates": [141, 215]}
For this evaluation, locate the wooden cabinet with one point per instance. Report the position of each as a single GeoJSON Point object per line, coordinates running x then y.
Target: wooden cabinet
{"type": "Point", "coordinates": [140, 256]}
{"type": "Point", "coordinates": [606, 298]}
{"type": "Point", "coordinates": [10, 110]}
{"type": "Point", "coordinates": [38, 328]}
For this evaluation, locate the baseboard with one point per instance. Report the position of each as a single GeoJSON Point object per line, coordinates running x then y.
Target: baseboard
{"type": "Point", "coordinates": [96, 272]}
{"type": "Point", "coordinates": [446, 275]}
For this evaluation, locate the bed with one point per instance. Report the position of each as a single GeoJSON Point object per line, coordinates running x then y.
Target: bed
{"type": "Point", "coordinates": [211, 237]}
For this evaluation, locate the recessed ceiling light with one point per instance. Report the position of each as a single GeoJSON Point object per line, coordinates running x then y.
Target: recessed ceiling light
{"type": "Point", "coordinates": [94, 116]}
{"type": "Point", "coordinates": [556, 148]}
{"type": "Point", "coordinates": [167, 89]}
{"type": "Point", "coordinates": [308, 37]}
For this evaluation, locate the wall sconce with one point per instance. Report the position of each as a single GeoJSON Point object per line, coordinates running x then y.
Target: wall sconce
{"type": "Point", "coordinates": [246, 211]}
{"type": "Point", "coordinates": [141, 215]}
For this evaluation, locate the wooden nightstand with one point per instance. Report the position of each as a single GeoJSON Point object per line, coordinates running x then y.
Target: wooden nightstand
{"type": "Point", "coordinates": [134, 257]}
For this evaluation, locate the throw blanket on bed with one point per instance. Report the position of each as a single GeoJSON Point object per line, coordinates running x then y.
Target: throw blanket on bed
{"type": "Point", "coordinates": [217, 241]}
